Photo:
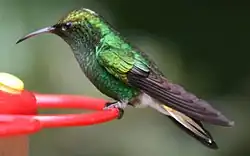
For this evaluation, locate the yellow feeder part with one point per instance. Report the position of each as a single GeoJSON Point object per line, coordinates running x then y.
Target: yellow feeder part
{"type": "Point", "coordinates": [10, 83]}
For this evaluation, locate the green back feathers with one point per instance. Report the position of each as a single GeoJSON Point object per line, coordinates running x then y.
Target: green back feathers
{"type": "Point", "coordinates": [119, 57]}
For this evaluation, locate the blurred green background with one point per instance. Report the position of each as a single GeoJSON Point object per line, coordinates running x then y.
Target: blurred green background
{"type": "Point", "coordinates": [202, 46]}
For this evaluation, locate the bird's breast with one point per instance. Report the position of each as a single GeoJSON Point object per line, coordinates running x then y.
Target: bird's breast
{"type": "Point", "coordinates": [102, 79]}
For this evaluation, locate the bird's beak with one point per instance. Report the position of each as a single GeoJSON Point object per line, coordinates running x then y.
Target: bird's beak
{"type": "Point", "coordinates": [44, 30]}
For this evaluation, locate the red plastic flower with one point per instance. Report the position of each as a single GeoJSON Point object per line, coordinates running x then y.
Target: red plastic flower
{"type": "Point", "coordinates": [18, 109]}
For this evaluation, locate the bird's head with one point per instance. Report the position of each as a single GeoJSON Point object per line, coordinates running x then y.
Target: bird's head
{"type": "Point", "coordinates": [78, 26]}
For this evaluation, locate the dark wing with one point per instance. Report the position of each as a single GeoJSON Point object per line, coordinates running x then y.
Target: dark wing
{"type": "Point", "coordinates": [130, 67]}
{"type": "Point", "coordinates": [174, 96]}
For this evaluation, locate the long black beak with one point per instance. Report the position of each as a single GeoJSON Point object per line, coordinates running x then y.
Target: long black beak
{"type": "Point", "coordinates": [41, 31]}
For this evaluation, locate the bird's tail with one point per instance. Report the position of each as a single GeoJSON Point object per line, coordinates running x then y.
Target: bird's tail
{"type": "Point", "coordinates": [192, 127]}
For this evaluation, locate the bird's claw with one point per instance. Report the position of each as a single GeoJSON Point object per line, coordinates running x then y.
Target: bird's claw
{"type": "Point", "coordinates": [115, 105]}
{"type": "Point", "coordinates": [121, 112]}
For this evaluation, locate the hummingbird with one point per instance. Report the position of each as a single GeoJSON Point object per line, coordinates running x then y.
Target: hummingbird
{"type": "Point", "coordinates": [120, 70]}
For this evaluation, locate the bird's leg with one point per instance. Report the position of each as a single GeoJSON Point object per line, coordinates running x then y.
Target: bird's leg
{"type": "Point", "coordinates": [119, 105]}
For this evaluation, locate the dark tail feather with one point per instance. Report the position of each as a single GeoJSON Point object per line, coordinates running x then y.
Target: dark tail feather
{"type": "Point", "coordinates": [192, 127]}
{"type": "Point", "coordinates": [205, 142]}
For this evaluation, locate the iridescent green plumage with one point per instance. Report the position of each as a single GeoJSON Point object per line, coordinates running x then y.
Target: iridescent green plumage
{"type": "Point", "coordinates": [94, 55]}
{"type": "Point", "coordinates": [109, 51]}
{"type": "Point", "coordinates": [123, 72]}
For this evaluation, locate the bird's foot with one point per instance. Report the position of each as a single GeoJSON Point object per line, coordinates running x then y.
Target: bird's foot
{"type": "Point", "coordinates": [115, 105]}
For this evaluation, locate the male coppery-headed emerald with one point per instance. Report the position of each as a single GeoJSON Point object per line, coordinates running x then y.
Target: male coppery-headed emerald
{"type": "Point", "coordinates": [123, 72]}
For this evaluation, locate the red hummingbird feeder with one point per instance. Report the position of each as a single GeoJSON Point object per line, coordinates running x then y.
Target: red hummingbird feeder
{"type": "Point", "coordinates": [19, 107]}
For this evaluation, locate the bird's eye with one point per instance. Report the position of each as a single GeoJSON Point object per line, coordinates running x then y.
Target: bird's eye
{"type": "Point", "coordinates": [67, 26]}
